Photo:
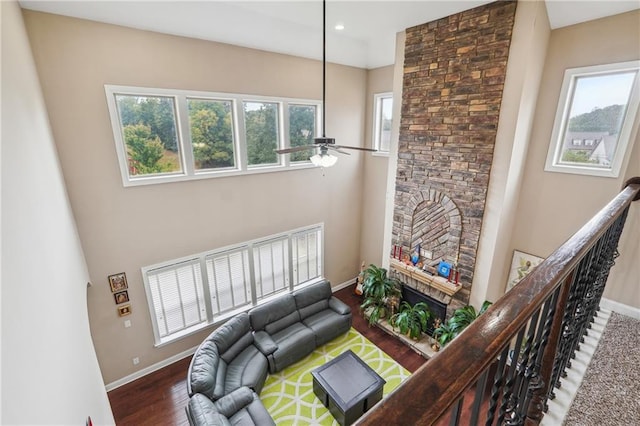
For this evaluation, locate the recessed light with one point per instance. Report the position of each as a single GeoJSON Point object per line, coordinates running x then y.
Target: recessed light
{"type": "Point", "coordinates": [339, 26]}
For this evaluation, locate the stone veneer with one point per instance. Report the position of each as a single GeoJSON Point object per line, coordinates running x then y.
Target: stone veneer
{"type": "Point", "coordinates": [454, 74]}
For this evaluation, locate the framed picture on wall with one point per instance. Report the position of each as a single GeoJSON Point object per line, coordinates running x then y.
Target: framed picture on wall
{"type": "Point", "coordinates": [124, 310]}
{"type": "Point", "coordinates": [121, 297]}
{"type": "Point", "coordinates": [118, 282]}
{"type": "Point", "coordinates": [521, 264]}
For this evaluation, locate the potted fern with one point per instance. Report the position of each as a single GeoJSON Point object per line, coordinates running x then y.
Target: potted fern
{"type": "Point", "coordinates": [411, 320]}
{"type": "Point", "coordinates": [460, 320]}
{"type": "Point", "coordinates": [377, 289]}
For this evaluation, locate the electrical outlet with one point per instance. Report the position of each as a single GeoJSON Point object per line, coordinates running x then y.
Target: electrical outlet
{"type": "Point", "coordinates": [136, 361]}
{"type": "Point", "coordinates": [426, 254]}
{"type": "Point", "coordinates": [127, 323]}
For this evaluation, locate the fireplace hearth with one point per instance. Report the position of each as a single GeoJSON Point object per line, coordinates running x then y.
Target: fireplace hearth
{"type": "Point", "coordinates": [437, 308]}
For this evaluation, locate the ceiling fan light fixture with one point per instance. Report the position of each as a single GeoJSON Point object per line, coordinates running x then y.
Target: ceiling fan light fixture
{"type": "Point", "coordinates": [323, 159]}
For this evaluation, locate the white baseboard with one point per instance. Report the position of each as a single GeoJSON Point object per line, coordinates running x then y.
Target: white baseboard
{"type": "Point", "coordinates": [150, 369]}
{"type": "Point", "coordinates": [344, 284]}
{"type": "Point", "coordinates": [620, 308]}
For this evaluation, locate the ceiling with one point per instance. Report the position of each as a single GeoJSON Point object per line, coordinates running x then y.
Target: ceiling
{"type": "Point", "coordinates": [295, 27]}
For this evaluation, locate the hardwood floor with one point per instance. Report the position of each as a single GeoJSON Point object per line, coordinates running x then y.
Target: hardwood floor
{"type": "Point", "coordinates": [160, 397]}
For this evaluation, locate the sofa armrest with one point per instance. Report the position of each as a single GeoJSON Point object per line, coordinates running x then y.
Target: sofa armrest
{"type": "Point", "coordinates": [339, 306]}
{"type": "Point", "coordinates": [264, 343]}
{"type": "Point", "coordinates": [201, 411]}
{"type": "Point", "coordinates": [235, 401]}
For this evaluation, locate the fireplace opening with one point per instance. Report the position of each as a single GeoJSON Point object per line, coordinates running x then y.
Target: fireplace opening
{"type": "Point", "coordinates": [438, 309]}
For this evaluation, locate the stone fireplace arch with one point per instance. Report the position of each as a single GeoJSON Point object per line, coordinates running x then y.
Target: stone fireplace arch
{"type": "Point", "coordinates": [436, 224]}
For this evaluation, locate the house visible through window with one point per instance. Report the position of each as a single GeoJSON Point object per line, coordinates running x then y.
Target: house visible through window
{"type": "Point", "coordinates": [596, 112]}
{"type": "Point", "coordinates": [383, 110]}
{"type": "Point", "coordinates": [185, 295]}
{"type": "Point", "coordinates": [166, 135]}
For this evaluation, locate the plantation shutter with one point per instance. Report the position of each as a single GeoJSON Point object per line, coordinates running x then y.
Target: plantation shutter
{"type": "Point", "coordinates": [307, 252]}
{"type": "Point", "coordinates": [229, 280]}
{"type": "Point", "coordinates": [271, 266]}
{"type": "Point", "coordinates": [177, 296]}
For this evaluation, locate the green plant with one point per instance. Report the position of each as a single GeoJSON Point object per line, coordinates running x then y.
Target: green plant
{"type": "Point", "coordinates": [378, 285]}
{"type": "Point", "coordinates": [460, 320]}
{"type": "Point", "coordinates": [374, 309]}
{"type": "Point", "coordinates": [377, 288]}
{"type": "Point", "coordinates": [411, 320]}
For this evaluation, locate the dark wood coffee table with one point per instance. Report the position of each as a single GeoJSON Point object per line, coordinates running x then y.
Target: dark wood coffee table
{"type": "Point", "coordinates": [347, 387]}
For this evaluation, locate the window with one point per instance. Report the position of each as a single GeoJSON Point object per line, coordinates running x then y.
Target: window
{"type": "Point", "coordinates": [261, 132]}
{"type": "Point", "coordinates": [166, 135]}
{"type": "Point", "coordinates": [383, 110]}
{"type": "Point", "coordinates": [302, 129]}
{"type": "Point", "coordinates": [148, 126]}
{"type": "Point", "coordinates": [186, 295]}
{"type": "Point", "coordinates": [211, 130]}
{"type": "Point", "coordinates": [594, 119]}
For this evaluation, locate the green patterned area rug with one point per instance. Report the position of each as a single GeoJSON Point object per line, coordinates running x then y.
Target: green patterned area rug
{"type": "Point", "coordinates": [288, 395]}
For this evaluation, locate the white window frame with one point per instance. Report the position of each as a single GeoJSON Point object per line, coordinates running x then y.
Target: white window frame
{"type": "Point", "coordinates": [291, 279]}
{"type": "Point", "coordinates": [629, 125]}
{"type": "Point", "coordinates": [184, 137]}
{"type": "Point", "coordinates": [377, 123]}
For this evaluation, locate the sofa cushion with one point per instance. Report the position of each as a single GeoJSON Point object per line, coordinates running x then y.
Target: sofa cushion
{"type": "Point", "coordinates": [234, 401]}
{"type": "Point", "coordinates": [249, 369]}
{"type": "Point", "coordinates": [312, 299]}
{"type": "Point", "coordinates": [203, 370]}
{"type": "Point", "coordinates": [233, 336]}
{"type": "Point", "coordinates": [294, 343]}
{"type": "Point", "coordinates": [327, 325]}
{"type": "Point", "coordinates": [253, 414]}
{"type": "Point", "coordinates": [201, 411]}
{"type": "Point", "coordinates": [263, 341]}
{"type": "Point", "coordinates": [274, 315]}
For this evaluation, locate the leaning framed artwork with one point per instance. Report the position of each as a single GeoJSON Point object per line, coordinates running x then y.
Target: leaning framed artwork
{"type": "Point", "coordinates": [521, 264]}
{"type": "Point", "coordinates": [118, 282]}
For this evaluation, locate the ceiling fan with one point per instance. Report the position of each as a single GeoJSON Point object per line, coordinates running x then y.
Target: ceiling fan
{"type": "Point", "coordinates": [323, 158]}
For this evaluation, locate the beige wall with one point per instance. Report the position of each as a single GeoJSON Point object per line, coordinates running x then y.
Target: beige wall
{"type": "Point", "coordinates": [524, 73]}
{"type": "Point", "coordinates": [50, 374]}
{"type": "Point", "coordinates": [553, 206]}
{"type": "Point", "coordinates": [380, 80]}
{"type": "Point", "coordinates": [123, 229]}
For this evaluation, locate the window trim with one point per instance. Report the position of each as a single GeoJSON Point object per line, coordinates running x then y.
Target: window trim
{"type": "Point", "coordinates": [377, 114]}
{"type": "Point", "coordinates": [629, 123]}
{"type": "Point", "coordinates": [213, 319]}
{"type": "Point", "coordinates": [184, 136]}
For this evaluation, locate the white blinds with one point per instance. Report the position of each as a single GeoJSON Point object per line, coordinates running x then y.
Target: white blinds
{"type": "Point", "coordinates": [229, 280]}
{"type": "Point", "coordinates": [307, 250]}
{"type": "Point", "coordinates": [271, 264]}
{"type": "Point", "coordinates": [187, 294]}
{"type": "Point", "coordinates": [178, 298]}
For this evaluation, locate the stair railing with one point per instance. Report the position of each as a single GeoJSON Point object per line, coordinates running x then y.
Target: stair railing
{"type": "Point", "coordinates": [504, 367]}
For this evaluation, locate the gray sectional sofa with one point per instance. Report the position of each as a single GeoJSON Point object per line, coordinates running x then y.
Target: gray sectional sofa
{"type": "Point", "coordinates": [230, 367]}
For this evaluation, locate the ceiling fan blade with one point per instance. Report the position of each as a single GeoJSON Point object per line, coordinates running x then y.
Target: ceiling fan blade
{"type": "Point", "coordinates": [338, 150]}
{"type": "Point", "coordinates": [295, 149]}
{"type": "Point", "coordinates": [355, 147]}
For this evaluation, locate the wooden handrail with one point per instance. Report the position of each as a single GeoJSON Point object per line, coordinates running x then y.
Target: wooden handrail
{"type": "Point", "coordinates": [433, 390]}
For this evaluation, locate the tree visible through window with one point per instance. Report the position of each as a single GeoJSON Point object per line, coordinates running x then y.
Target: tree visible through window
{"type": "Point", "coordinates": [211, 126]}
{"type": "Point", "coordinates": [261, 132]}
{"type": "Point", "coordinates": [594, 119]}
{"type": "Point", "coordinates": [149, 131]}
{"type": "Point", "coordinates": [302, 129]}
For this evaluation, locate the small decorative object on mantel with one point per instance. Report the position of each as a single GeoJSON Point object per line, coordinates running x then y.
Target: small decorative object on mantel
{"type": "Point", "coordinates": [118, 282]}
{"type": "Point", "coordinates": [444, 269]}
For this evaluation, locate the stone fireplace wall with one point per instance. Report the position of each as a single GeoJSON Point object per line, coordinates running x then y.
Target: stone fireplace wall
{"type": "Point", "coordinates": [454, 74]}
